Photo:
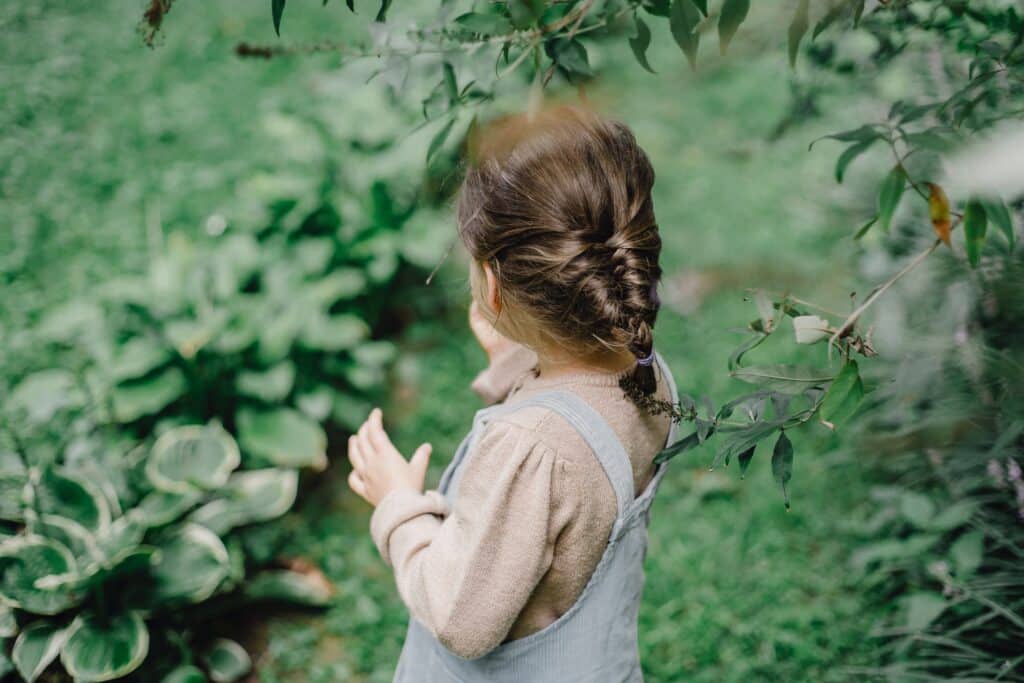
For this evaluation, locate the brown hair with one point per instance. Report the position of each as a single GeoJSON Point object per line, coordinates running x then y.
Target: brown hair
{"type": "Point", "coordinates": [559, 204]}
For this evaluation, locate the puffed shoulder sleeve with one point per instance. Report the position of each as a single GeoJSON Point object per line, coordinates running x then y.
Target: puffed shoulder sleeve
{"type": "Point", "coordinates": [466, 576]}
{"type": "Point", "coordinates": [496, 380]}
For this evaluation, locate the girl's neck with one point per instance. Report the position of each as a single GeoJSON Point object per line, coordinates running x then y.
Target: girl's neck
{"type": "Point", "coordinates": [561, 363]}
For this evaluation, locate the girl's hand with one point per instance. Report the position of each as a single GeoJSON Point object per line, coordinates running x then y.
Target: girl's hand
{"type": "Point", "coordinates": [491, 341]}
{"type": "Point", "coordinates": [377, 466]}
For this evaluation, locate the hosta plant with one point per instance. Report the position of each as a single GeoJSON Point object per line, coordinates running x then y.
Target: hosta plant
{"type": "Point", "coordinates": [94, 568]}
{"type": "Point", "coordinates": [272, 331]}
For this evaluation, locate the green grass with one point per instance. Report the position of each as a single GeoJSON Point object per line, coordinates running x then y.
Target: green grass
{"type": "Point", "coordinates": [108, 146]}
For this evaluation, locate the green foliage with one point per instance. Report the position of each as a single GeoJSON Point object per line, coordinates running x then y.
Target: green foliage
{"type": "Point", "coordinates": [93, 572]}
{"type": "Point", "coordinates": [946, 542]}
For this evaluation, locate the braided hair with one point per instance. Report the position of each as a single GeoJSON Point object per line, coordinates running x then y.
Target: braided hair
{"type": "Point", "coordinates": [560, 207]}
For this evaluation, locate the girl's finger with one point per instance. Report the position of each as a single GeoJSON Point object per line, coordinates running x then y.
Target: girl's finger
{"type": "Point", "coordinates": [366, 449]}
{"type": "Point", "coordinates": [418, 463]}
{"type": "Point", "coordinates": [356, 483]}
{"type": "Point", "coordinates": [378, 437]}
{"type": "Point", "coordinates": [355, 456]}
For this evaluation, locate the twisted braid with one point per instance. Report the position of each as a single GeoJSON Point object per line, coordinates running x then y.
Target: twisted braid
{"type": "Point", "coordinates": [561, 206]}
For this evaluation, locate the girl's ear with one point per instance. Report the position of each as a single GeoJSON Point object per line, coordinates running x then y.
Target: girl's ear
{"type": "Point", "coordinates": [491, 289]}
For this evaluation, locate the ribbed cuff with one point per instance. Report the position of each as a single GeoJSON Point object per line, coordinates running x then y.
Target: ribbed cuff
{"type": "Point", "coordinates": [397, 508]}
{"type": "Point", "coordinates": [493, 383]}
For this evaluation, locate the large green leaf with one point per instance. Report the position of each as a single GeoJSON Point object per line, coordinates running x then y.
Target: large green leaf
{"type": "Point", "coordinates": [250, 496]}
{"type": "Point", "coordinates": [967, 553]}
{"type": "Point", "coordinates": [341, 285]}
{"type": "Point", "coordinates": [954, 516]}
{"type": "Point", "coordinates": [139, 398]}
{"type": "Point", "coordinates": [334, 333]}
{"type": "Point", "coordinates": [975, 227]}
{"type": "Point", "coordinates": [12, 486]}
{"type": "Point", "coordinates": [889, 195]}
{"type": "Point", "coordinates": [189, 457]}
{"type": "Point", "coordinates": [69, 533]}
{"type": "Point", "coordinates": [27, 560]}
{"type": "Point", "coordinates": [733, 14]}
{"type": "Point", "coordinates": [276, 10]}
{"type": "Point", "coordinates": [191, 564]}
{"type": "Point", "coordinates": [843, 396]}
{"type": "Point", "coordinates": [42, 394]}
{"type": "Point", "coordinates": [484, 24]}
{"type": "Point", "coordinates": [639, 43]}
{"type": "Point", "coordinates": [163, 507]}
{"type": "Point", "coordinates": [104, 649]}
{"type": "Point", "coordinates": [923, 608]}
{"type": "Point", "coordinates": [8, 624]}
{"type": "Point", "coordinates": [917, 508]}
{"type": "Point", "coordinates": [272, 385]}
{"type": "Point", "coordinates": [282, 436]}
{"type": "Point", "coordinates": [683, 19]}
{"type": "Point", "coordinates": [797, 28]}
{"type": "Point", "coordinates": [67, 494]}
{"type": "Point", "coordinates": [227, 661]}
{"type": "Point", "coordinates": [37, 646]}
{"type": "Point", "coordinates": [137, 357]}
{"type": "Point", "coordinates": [782, 464]}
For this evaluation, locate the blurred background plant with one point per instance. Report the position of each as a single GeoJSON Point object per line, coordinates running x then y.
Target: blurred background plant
{"type": "Point", "coordinates": [290, 287]}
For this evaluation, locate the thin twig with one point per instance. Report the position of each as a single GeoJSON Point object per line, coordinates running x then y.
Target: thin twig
{"type": "Point", "coordinates": [853, 317]}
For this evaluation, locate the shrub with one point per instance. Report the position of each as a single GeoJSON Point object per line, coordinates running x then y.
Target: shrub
{"type": "Point", "coordinates": [102, 550]}
{"type": "Point", "coordinates": [266, 334]}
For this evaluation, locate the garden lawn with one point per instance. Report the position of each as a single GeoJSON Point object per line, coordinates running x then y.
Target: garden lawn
{"type": "Point", "coordinates": [108, 146]}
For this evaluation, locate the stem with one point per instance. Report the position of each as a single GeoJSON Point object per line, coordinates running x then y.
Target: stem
{"type": "Point", "coordinates": [852, 319]}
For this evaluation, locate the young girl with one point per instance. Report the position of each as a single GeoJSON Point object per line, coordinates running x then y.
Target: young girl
{"type": "Point", "coordinates": [526, 564]}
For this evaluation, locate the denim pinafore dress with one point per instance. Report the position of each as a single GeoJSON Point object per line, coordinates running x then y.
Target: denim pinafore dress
{"type": "Point", "coordinates": [596, 639]}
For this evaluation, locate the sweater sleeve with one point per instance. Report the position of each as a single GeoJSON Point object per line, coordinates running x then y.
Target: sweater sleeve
{"type": "Point", "coordinates": [496, 380]}
{"type": "Point", "coordinates": [466, 577]}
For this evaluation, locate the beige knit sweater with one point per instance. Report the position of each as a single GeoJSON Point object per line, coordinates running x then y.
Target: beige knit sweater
{"type": "Point", "coordinates": [531, 520]}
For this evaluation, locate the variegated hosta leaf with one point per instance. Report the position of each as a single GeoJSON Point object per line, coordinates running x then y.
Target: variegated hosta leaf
{"type": "Point", "coordinates": [191, 564]}
{"type": "Point", "coordinates": [227, 661]}
{"type": "Point", "coordinates": [69, 495]}
{"type": "Point", "coordinates": [250, 496]}
{"type": "Point", "coordinates": [12, 485]}
{"type": "Point", "coordinates": [282, 437]}
{"type": "Point", "coordinates": [36, 647]}
{"type": "Point", "coordinates": [75, 537]}
{"type": "Point", "coordinates": [113, 550]}
{"type": "Point", "coordinates": [185, 674]}
{"type": "Point", "coordinates": [159, 508]}
{"type": "Point", "coordinates": [29, 561]}
{"type": "Point", "coordinates": [8, 625]}
{"type": "Point", "coordinates": [118, 541]}
{"type": "Point", "coordinates": [104, 649]}
{"type": "Point", "coordinates": [187, 457]}
{"type": "Point", "coordinates": [42, 394]}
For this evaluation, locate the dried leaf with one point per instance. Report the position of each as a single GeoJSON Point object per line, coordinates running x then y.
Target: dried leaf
{"type": "Point", "coordinates": [938, 209]}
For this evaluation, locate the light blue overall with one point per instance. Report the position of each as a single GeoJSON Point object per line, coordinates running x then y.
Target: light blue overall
{"type": "Point", "coordinates": [596, 639]}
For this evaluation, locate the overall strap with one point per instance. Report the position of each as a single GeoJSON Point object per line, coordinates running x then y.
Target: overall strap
{"type": "Point", "coordinates": [595, 431]}
{"type": "Point", "coordinates": [673, 430]}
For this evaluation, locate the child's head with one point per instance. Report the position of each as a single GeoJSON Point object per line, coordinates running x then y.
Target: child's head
{"type": "Point", "coordinates": [559, 208]}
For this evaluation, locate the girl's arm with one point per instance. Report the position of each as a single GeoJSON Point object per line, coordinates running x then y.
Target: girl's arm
{"type": "Point", "coordinates": [467, 576]}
